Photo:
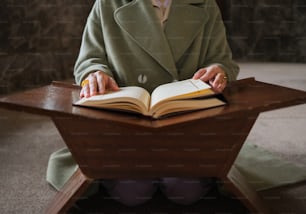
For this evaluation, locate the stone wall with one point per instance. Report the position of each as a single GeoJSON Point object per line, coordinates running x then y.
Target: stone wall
{"type": "Point", "coordinates": [267, 30]}
{"type": "Point", "coordinates": [39, 39]}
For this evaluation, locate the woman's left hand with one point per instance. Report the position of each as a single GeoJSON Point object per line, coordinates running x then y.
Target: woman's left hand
{"type": "Point", "coordinates": [214, 75]}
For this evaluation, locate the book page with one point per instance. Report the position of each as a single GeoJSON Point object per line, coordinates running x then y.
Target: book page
{"type": "Point", "coordinates": [178, 106]}
{"type": "Point", "coordinates": [127, 98]}
{"type": "Point", "coordinates": [180, 90]}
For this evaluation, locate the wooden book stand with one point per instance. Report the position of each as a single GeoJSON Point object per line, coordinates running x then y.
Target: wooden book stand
{"type": "Point", "coordinates": [109, 144]}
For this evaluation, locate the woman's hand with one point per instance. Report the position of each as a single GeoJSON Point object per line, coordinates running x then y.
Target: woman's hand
{"type": "Point", "coordinates": [97, 83]}
{"type": "Point", "coordinates": [214, 75]}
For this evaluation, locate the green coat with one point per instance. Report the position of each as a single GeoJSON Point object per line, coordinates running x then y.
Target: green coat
{"type": "Point", "coordinates": [125, 39]}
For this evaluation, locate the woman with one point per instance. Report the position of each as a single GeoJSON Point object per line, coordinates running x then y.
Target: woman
{"type": "Point", "coordinates": [149, 43]}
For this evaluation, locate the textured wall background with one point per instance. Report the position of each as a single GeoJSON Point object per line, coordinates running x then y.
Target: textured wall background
{"type": "Point", "coordinates": [268, 30]}
{"type": "Point", "coordinates": [39, 39]}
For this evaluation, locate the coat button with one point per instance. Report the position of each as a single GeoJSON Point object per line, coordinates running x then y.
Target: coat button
{"type": "Point", "coordinates": [142, 78]}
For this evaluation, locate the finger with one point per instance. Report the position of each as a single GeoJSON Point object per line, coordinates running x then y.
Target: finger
{"type": "Point", "coordinates": [113, 85]}
{"type": "Point", "coordinates": [100, 82]}
{"type": "Point", "coordinates": [210, 74]}
{"type": "Point", "coordinates": [218, 80]}
{"type": "Point", "coordinates": [92, 84]}
{"type": "Point", "coordinates": [219, 89]}
{"type": "Point", "coordinates": [85, 91]}
{"type": "Point", "coordinates": [82, 93]}
{"type": "Point", "coordinates": [201, 72]}
{"type": "Point", "coordinates": [215, 75]}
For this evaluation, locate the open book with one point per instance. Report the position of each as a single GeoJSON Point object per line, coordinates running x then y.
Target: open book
{"type": "Point", "coordinates": [166, 99]}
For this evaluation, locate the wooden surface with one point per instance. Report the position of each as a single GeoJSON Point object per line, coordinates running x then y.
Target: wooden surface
{"type": "Point", "coordinates": [207, 147]}
{"type": "Point", "coordinates": [245, 95]}
{"type": "Point", "coordinates": [109, 144]}
{"type": "Point", "coordinates": [236, 183]}
{"type": "Point", "coordinates": [70, 193]}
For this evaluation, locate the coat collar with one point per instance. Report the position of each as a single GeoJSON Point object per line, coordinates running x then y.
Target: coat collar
{"type": "Point", "coordinates": [139, 20]}
{"type": "Point", "coordinates": [185, 21]}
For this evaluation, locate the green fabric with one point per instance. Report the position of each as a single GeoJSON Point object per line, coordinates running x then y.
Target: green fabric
{"type": "Point", "coordinates": [60, 168]}
{"type": "Point", "coordinates": [264, 170]}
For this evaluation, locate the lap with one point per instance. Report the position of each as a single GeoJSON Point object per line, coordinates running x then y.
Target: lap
{"type": "Point", "coordinates": [179, 190]}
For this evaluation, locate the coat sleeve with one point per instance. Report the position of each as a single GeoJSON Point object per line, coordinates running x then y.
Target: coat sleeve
{"type": "Point", "coordinates": [92, 56]}
{"type": "Point", "coordinates": [218, 51]}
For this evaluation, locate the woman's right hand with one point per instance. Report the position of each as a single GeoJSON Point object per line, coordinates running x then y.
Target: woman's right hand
{"type": "Point", "coordinates": [98, 83]}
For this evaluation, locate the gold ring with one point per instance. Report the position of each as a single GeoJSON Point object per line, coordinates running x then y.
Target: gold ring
{"type": "Point", "coordinates": [84, 82]}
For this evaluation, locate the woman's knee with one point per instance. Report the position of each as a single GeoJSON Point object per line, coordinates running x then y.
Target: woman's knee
{"type": "Point", "coordinates": [131, 192]}
{"type": "Point", "coordinates": [185, 191]}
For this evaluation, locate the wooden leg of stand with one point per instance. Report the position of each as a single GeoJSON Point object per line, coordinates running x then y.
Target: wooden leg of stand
{"type": "Point", "coordinates": [70, 193]}
{"type": "Point", "coordinates": [236, 184]}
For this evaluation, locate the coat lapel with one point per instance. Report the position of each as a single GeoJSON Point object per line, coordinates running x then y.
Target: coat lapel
{"type": "Point", "coordinates": [186, 19]}
{"type": "Point", "coordinates": [139, 20]}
